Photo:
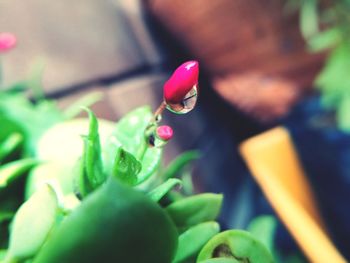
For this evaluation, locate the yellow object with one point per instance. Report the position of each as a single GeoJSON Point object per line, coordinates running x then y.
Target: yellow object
{"type": "Point", "coordinates": [273, 161]}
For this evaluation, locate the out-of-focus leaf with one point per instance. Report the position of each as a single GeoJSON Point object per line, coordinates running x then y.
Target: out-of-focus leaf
{"type": "Point", "coordinates": [264, 228]}
{"type": "Point", "coordinates": [35, 78]}
{"type": "Point", "coordinates": [126, 167]}
{"type": "Point", "coordinates": [5, 215]}
{"type": "Point", "coordinates": [324, 40]}
{"type": "Point", "coordinates": [177, 165]}
{"type": "Point", "coordinates": [86, 101]}
{"type": "Point", "coordinates": [32, 224]}
{"type": "Point", "coordinates": [160, 191]}
{"type": "Point", "coordinates": [91, 173]}
{"type": "Point", "coordinates": [10, 144]}
{"type": "Point", "coordinates": [334, 79]}
{"type": "Point", "coordinates": [343, 112]}
{"type": "Point", "coordinates": [309, 18]}
{"type": "Point", "coordinates": [196, 209]}
{"type": "Point", "coordinates": [221, 260]}
{"type": "Point", "coordinates": [192, 241]}
{"type": "Point", "coordinates": [2, 253]}
{"type": "Point", "coordinates": [10, 171]}
{"type": "Point", "coordinates": [32, 119]}
{"type": "Point", "coordinates": [129, 134]}
{"type": "Point", "coordinates": [8, 126]}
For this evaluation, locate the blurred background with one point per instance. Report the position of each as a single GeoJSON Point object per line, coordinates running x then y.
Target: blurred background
{"type": "Point", "coordinates": [263, 63]}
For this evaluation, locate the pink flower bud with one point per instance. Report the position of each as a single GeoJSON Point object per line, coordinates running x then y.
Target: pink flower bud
{"type": "Point", "coordinates": [7, 42]}
{"type": "Point", "coordinates": [165, 132]}
{"type": "Point", "coordinates": [181, 82]}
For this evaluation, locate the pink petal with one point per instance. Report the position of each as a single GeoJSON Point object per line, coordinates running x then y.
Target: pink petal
{"type": "Point", "coordinates": [181, 82]}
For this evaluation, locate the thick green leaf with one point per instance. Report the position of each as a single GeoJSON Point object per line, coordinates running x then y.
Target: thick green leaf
{"type": "Point", "coordinates": [196, 209]}
{"type": "Point", "coordinates": [91, 172]}
{"type": "Point", "coordinates": [10, 171]}
{"type": "Point", "coordinates": [60, 163]}
{"type": "Point", "coordinates": [192, 241]}
{"type": "Point", "coordinates": [236, 244]}
{"type": "Point", "coordinates": [177, 165]}
{"type": "Point", "coordinates": [221, 260]}
{"type": "Point", "coordinates": [160, 191]}
{"type": "Point", "coordinates": [10, 144]}
{"type": "Point", "coordinates": [129, 134]}
{"type": "Point", "coordinates": [126, 167]}
{"type": "Point", "coordinates": [32, 224]}
{"type": "Point", "coordinates": [115, 223]}
{"type": "Point", "coordinates": [263, 228]}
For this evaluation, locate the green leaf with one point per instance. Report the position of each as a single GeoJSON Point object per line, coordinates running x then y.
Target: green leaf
{"type": "Point", "coordinates": [126, 167]}
{"type": "Point", "coordinates": [192, 241]}
{"type": "Point", "coordinates": [177, 165]}
{"type": "Point", "coordinates": [61, 164]}
{"type": "Point", "coordinates": [235, 244]}
{"type": "Point", "coordinates": [324, 40]}
{"type": "Point", "coordinates": [32, 223]}
{"type": "Point", "coordinates": [160, 191]}
{"type": "Point", "coordinates": [34, 79]}
{"type": "Point", "coordinates": [91, 173]}
{"type": "Point", "coordinates": [343, 113]}
{"type": "Point", "coordinates": [2, 253]}
{"type": "Point", "coordinates": [5, 216]}
{"type": "Point", "coordinates": [115, 223]}
{"type": "Point", "coordinates": [8, 126]}
{"type": "Point", "coordinates": [196, 209]}
{"type": "Point", "coordinates": [309, 18]}
{"type": "Point", "coordinates": [221, 260]}
{"type": "Point", "coordinates": [263, 228]}
{"type": "Point", "coordinates": [129, 134]}
{"type": "Point", "coordinates": [334, 79]}
{"type": "Point", "coordinates": [11, 171]}
{"type": "Point", "coordinates": [86, 101]}
{"type": "Point", "coordinates": [10, 144]}
{"type": "Point", "coordinates": [32, 119]}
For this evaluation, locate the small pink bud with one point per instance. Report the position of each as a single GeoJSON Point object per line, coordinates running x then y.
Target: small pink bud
{"type": "Point", "coordinates": [7, 42]}
{"type": "Point", "coordinates": [165, 132]}
{"type": "Point", "coordinates": [181, 82]}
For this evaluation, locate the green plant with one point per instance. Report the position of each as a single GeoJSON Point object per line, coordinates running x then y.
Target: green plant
{"type": "Point", "coordinates": [105, 196]}
{"type": "Point", "coordinates": [326, 27]}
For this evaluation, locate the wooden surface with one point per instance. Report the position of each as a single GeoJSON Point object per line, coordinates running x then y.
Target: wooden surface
{"type": "Point", "coordinates": [235, 39]}
{"type": "Point", "coordinates": [235, 36]}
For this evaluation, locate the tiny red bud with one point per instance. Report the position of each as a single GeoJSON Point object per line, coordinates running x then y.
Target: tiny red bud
{"type": "Point", "coordinates": [7, 42]}
{"type": "Point", "coordinates": [181, 82]}
{"type": "Point", "coordinates": [165, 132]}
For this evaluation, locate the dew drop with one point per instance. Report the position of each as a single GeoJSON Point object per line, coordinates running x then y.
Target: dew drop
{"type": "Point", "coordinates": [187, 104]}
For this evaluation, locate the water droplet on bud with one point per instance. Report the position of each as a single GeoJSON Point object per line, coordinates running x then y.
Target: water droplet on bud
{"type": "Point", "coordinates": [187, 104]}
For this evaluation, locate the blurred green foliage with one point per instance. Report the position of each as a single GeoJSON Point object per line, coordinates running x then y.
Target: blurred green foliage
{"type": "Point", "coordinates": [325, 25]}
